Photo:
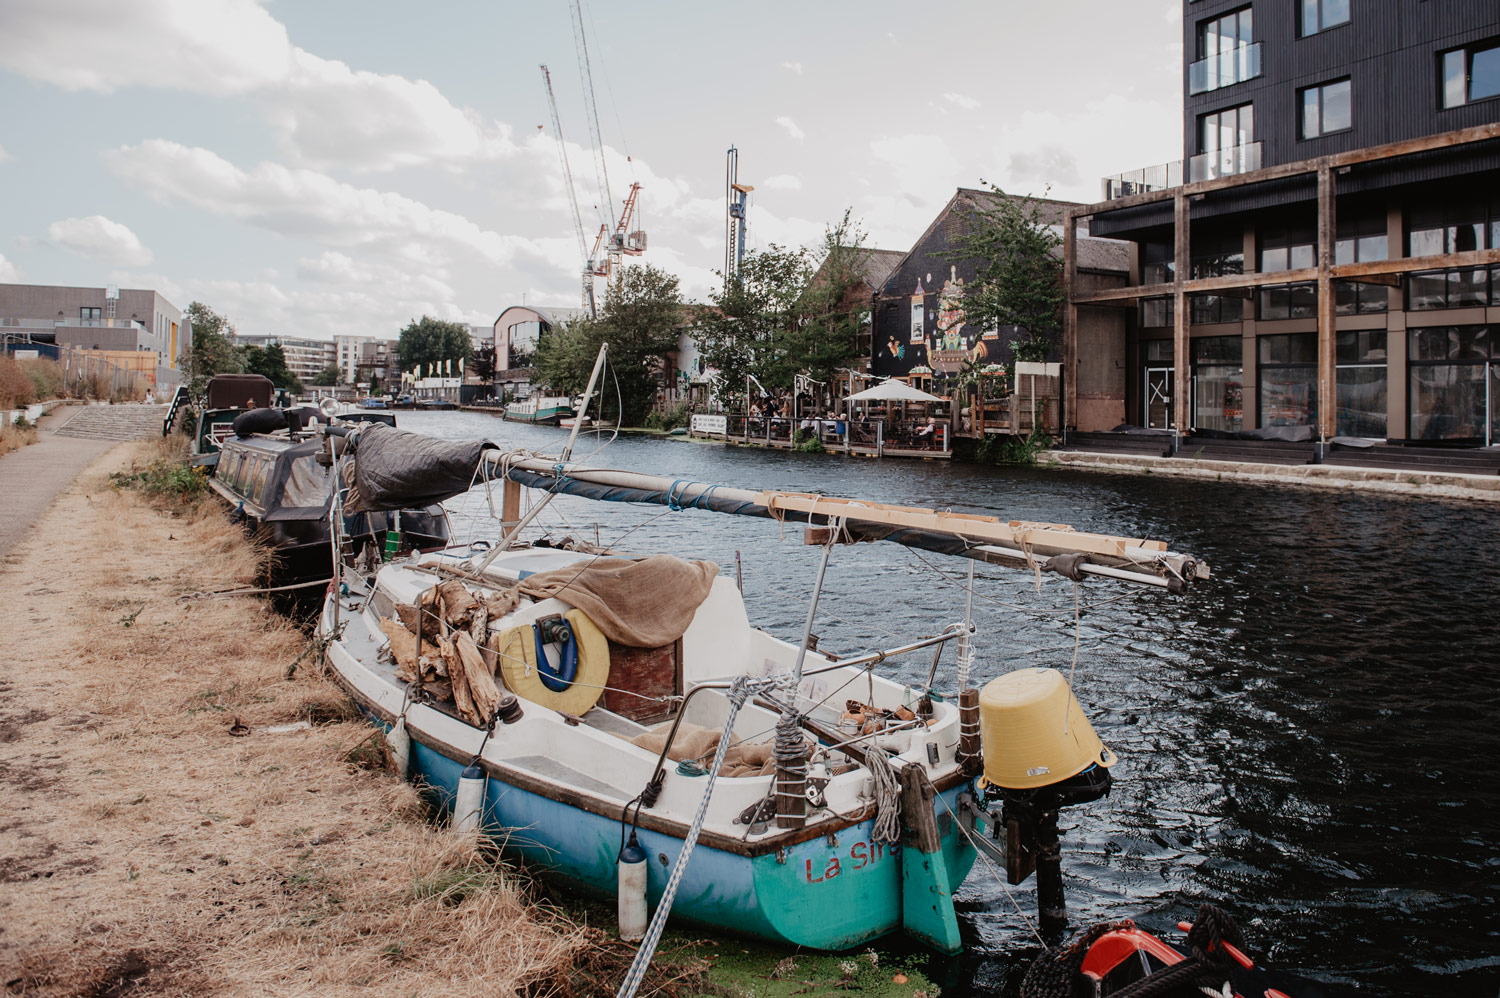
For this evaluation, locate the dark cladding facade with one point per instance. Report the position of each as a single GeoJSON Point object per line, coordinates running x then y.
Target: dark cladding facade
{"type": "Point", "coordinates": [1333, 260]}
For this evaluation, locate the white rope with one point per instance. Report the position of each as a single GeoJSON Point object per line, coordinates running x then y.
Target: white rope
{"type": "Point", "coordinates": [737, 695]}
{"type": "Point", "coordinates": [887, 795]}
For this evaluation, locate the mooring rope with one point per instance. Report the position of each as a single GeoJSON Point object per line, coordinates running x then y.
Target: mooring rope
{"type": "Point", "coordinates": [887, 795]}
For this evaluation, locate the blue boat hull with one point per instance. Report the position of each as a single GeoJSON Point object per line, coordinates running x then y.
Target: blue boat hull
{"type": "Point", "coordinates": [831, 892]}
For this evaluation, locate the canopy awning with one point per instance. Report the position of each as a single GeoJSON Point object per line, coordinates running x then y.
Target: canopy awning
{"type": "Point", "coordinates": [891, 390]}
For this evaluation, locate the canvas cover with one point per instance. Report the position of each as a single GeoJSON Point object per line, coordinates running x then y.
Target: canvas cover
{"type": "Point", "coordinates": [643, 604]}
{"type": "Point", "coordinates": [395, 469]}
{"type": "Point", "coordinates": [232, 391]}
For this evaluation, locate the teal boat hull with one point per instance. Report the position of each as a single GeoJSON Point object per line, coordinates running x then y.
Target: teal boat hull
{"type": "Point", "coordinates": [831, 892]}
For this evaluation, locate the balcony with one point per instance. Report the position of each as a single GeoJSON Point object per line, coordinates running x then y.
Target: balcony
{"type": "Point", "coordinates": [1161, 177]}
{"type": "Point", "coordinates": [1224, 162]}
{"type": "Point", "coordinates": [1225, 68]}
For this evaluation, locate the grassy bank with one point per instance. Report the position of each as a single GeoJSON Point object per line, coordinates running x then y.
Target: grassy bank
{"type": "Point", "coordinates": [13, 438]}
{"type": "Point", "coordinates": [183, 818]}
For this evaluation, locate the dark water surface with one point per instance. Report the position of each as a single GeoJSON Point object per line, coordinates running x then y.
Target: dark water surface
{"type": "Point", "coordinates": [1307, 740]}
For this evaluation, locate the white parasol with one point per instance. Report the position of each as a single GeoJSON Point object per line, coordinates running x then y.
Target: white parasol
{"type": "Point", "coordinates": [892, 390]}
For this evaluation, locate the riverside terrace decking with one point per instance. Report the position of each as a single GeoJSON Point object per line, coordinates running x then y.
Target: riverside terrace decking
{"type": "Point", "coordinates": [862, 438]}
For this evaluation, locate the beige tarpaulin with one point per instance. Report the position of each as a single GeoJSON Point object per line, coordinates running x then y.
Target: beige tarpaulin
{"type": "Point", "coordinates": [644, 604]}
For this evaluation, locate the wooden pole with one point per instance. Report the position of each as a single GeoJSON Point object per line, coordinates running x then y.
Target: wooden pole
{"type": "Point", "coordinates": [1181, 356]}
{"type": "Point", "coordinates": [1327, 367]}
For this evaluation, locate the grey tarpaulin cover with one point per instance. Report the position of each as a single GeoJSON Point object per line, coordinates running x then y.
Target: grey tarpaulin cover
{"type": "Point", "coordinates": [644, 604]}
{"type": "Point", "coordinates": [394, 469]}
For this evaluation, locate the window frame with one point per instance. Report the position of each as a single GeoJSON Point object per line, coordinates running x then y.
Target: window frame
{"type": "Point", "coordinates": [1320, 5]}
{"type": "Point", "coordinates": [1320, 89]}
{"type": "Point", "coordinates": [1469, 51]}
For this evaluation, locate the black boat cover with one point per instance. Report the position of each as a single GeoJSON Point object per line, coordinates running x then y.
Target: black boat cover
{"type": "Point", "coordinates": [253, 421]}
{"type": "Point", "coordinates": [395, 469]}
{"type": "Point", "coordinates": [232, 391]}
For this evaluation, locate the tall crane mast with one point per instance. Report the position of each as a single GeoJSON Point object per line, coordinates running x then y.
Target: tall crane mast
{"type": "Point", "coordinates": [736, 199]}
{"type": "Point", "coordinates": [562, 148]}
{"type": "Point", "coordinates": [606, 204]}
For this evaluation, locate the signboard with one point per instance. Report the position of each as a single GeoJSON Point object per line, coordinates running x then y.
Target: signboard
{"type": "Point", "coordinates": [1024, 367]}
{"type": "Point", "coordinates": [711, 424]}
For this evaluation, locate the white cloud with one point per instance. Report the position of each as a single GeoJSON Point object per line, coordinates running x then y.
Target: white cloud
{"type": "Point", "coordinates": [1173, 13]}
{"type": "Point", "coordinates": [326, 112]}
{"type": "Point", "coordinates": [782, 182]}
{"type": "Point", "coordinates": [8, 272]}
{"type": "Point", "coordinates": [100, 238]}
{"type": "Point", "coordinates": [962, 100]}
{"type": "Point", "coordinates": [304, 203]}
{"type": "Point", "coordinates": [5, 157]}
{"type": "Point", "coordinates": [791, 127]}
{"type": "Point", "coordinates": [795, 67]}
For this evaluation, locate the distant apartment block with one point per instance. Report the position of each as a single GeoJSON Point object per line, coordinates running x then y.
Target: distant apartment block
{"type": "Point", "coordinates": [304, 358]}
{"type": "Point", "coordinates": [105, 319]}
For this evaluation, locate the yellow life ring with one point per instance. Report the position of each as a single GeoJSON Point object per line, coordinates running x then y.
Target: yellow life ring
{"type": "Point", "coordinates": [515, 651]}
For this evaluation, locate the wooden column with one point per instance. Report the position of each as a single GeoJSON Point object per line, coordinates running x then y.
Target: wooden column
{"type": "Point", "coordinates": [1181, 357]}
{"type": "Point", "coordinates": [1327, 368]}
{"type": "Point", "coordinates": [1068, 418]}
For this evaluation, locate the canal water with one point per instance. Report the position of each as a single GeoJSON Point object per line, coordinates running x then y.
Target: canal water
{"type": "Point", "coordinates": [1308, 740]}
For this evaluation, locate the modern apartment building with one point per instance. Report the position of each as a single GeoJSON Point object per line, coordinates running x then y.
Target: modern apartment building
{"type": "Point", "coordinates": [304, 358]}
{"type": "Point", "coordinates": [109, 319]}
{"type": "Point", "coordinates": [1325, 260]}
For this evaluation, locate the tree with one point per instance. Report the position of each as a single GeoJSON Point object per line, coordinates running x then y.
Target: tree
{"type": "Point", "coordinates": [483, 363]}
{"type": "Point", "coordinates": [271, 362]}
{"type": "Point", "coordinates": [748, 333]}
{"type": "Point", "coordinates": [429, 344]}
{"type": "Point", "coordinates": [825, 334]}
{"type": "Point", "coordinates": [1019, 273]}
{"type": "Point", "coordinates": [213, 350]}
{"type": "Point", "coordinates": [330, 375]}
{"type": "Point", "coordinates": [641, 321]}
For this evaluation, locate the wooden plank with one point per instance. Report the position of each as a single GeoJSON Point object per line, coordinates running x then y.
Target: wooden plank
{"type": "Point", "coordinates": [967, 525]}
{"type": "Point", "coordinates": [1470, 258]}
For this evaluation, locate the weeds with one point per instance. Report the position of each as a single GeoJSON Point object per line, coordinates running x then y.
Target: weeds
{"type": "Point", "coordinates": [669, 419]}
{"type": "Point", "coordinates": [806, 442]}
{"type": "Point", "coordinates": [165, 478]}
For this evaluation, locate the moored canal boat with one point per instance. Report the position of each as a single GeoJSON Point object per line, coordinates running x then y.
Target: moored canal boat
{"type": "Point", "coordinates": [544, 410]}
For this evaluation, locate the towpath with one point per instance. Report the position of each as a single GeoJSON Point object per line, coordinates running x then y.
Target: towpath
{"type": "Point", "coordinates": [68, 438]}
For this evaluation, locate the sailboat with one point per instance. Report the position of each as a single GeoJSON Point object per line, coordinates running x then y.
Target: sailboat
{"type": "Point", "coordinates": [615, 719]}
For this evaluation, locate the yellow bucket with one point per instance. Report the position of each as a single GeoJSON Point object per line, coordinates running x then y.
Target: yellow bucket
{"type": "Point", "coordinates": [1034, 731]}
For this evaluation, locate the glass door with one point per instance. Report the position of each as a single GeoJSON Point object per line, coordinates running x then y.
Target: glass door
{"type": "Point", "coordinates": [1159, 398]}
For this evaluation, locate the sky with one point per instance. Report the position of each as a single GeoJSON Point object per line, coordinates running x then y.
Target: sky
{"type": "Point", "coordinates": [346, 166]}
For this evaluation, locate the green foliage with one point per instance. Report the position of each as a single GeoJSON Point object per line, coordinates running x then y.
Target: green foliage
{"type": "Point", "coordinates": [164, 479]}
{"type": "Point", "coordinates": [21, 423]}
{"type": "Point", "coordinates": [999, 449]}
{"type": "Point", "coordinates": [271, 362]}
{"type": "Point", "coordinates": [428, 343]}
{"type": "Point", "coordinates": [749, 331]}
{"type": "Point", "coordinates": [1019, 274]}
{"type": "Point", "coordinates": [213, 350]}
{"type": "Point", "coordinates": [640, 322]}
{"type": "Point", "coordinates": [807, 442]}
{"type": "Point", "coordinates": [46, 377]}
{"type": "Point", "coordinates": [789, 312]}
{"type": "Point", "coordinates": [671, 419]}
{"type": "Point", "coordinates": [330, 375]}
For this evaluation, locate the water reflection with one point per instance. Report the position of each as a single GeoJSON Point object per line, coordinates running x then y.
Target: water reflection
{"type": "Point", "coordinates": [1306, 740]}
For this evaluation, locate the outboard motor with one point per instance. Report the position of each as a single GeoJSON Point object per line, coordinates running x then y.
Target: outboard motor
{"type": "Point", "coordinates": [1040, 755]}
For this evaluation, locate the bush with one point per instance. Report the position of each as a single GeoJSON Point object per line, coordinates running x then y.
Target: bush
{"type": "Point", "coordinates": [668, 419]}
{"type": "Point", "coordinates": [16, 388]}
{"type": "Point", "coordinates": [807, 442]}
{"type": "Point", "coordinates": [46, 377]}
{"type": "Point", "coordinates": [165, 479]}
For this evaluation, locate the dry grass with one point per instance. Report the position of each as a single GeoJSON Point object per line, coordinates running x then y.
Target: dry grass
{"type": "Point", "coordinates": [143, 849]}
{"type": "Point", "coordinates": [12, 438]}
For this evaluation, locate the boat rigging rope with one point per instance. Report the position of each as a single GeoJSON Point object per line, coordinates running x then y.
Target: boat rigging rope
{"type": "Point", "coordinates": [887, 795]}
{"type": "Point", "coordinates": [737, 694]}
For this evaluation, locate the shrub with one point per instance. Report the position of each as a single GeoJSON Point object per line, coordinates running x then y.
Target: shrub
{"type": "Point", "coordinates": [807, 442]}
{"type": "Point", "coordinates": [667, 419]}
{"type": "Point", "coordinates": [165, 479]}
{"type": "Point", "coordinates": [16, 388]}
{"type": "Point", "coordinates": [46, 377]}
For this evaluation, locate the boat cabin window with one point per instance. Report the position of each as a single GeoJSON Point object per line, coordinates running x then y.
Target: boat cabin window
{"type": "Point", "coordinates": [229, 468]}
{"type": "Point", "coordinates": [308, 484]}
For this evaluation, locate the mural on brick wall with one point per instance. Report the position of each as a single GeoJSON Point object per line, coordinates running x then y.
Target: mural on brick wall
{"type": "Point", "coordinates": [938, 336]}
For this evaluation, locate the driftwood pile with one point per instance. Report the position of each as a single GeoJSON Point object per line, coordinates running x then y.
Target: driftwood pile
{"type": "Point", "coordinates": [457, 660]}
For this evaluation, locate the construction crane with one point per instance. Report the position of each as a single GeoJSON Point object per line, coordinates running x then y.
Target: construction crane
{"type": "Point", "coordinates": [621, 243]}
{"type": "Point", "coordinates": [562, 148]}
{"type": "Point", "coordinates": [736, 199]}
{"type": "Point", "coordinates": [585, 70]}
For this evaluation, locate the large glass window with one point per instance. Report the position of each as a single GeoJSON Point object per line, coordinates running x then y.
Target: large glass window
{"type": "Point", "coordinates": [1316, 15]}
{"type": "Point", "coordinates": [1288, 374]}
{"type": "Point", "coordinates": [1361, 238]}
{"type": "Point", "coordinates": [1158, 262]}
{"type": "Point", "coordinates": [1227, 52]}
{"type": "Point", "coordinates": [1287, 246]}
{"type": "Point", "coordinates": [1327, 108]}
{"type": "Point", "coordinates": [1451, 368]}
{"type": "Point", "coordinates": [1362, 379]}
{"type": "Point", "coordinates": [1157, 312]}
{"type": "Point", "coordinates": [1458, 288]}
{"type": "Point", "coordinates": [1218, 383]}
{"type": "Point", "coordinates": [1215, 308]}
{"type": "Point", "coordinates": [1227, 130]}
{"type": "Point", "coordinates": [1471, 73]}
{"type": "Point", "coordinates": [1289, 301]}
